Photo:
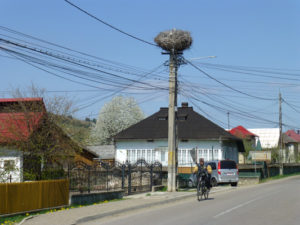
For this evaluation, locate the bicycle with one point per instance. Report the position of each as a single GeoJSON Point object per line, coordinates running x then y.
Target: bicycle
{"type": "Point", "coordinates": [202, 190]}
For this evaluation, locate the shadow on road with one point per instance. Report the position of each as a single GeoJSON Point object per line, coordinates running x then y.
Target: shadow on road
{"type": "Point", "coordinates": [207, 199]}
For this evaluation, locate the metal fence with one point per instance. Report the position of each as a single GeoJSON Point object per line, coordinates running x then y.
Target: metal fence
{"type": "Point", "coordinates": [137, 177]}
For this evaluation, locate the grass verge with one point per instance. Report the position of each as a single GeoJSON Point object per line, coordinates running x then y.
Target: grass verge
{"type": "Point", "coordinates": [278, 177]}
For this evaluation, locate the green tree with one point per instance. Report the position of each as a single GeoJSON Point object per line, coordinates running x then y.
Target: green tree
{"type": "Point", "coordinates": [248, 145]}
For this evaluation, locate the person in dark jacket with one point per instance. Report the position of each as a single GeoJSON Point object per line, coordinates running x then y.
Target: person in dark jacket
{"type": "Point", "coordinates": [204, 171]}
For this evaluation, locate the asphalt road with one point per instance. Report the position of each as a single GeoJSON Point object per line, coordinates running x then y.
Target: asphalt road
{"type": "Point", "coordinates": [274, 203]}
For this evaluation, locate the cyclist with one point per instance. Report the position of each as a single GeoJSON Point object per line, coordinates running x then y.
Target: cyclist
{"type": "Point", "coordinates": [201, 170]}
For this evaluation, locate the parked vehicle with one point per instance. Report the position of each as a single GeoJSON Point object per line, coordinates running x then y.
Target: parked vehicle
{"type": "Point", "coordinates": [223, 172]}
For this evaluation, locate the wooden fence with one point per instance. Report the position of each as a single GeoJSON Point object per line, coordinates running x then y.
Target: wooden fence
{"type": "Point", "coordinates": [30, 196]}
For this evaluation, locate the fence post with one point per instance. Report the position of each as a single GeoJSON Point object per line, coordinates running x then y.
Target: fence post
{"type": "Point", "coordinates": [129, 179]}
{"type": "Point", "coordinates": [141, 177]}
{"type": "Point", "coordinates": [151, 177]}
{"type": "Point", "coordinates": [161, 173]}
{"type": "Point", "coordinates": [89, 179]}
{"type": "Point", "coordinates": [123, 176]}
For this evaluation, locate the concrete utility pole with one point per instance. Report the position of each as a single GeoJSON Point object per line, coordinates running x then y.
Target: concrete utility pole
{"type": "Point", "coordinates": [172, 170]}
{"type": "Point", "coordinates": [228, 122]}
{"type": "Point", "coordinates": [280, 135]}
{"type": "Point", "coordinates": [174, 42]}
{"type": "Point", "coordinates": [280, 121]}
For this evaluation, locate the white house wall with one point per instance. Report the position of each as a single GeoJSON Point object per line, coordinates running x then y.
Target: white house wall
{"type": "Point", "coordinates": [131, 150]}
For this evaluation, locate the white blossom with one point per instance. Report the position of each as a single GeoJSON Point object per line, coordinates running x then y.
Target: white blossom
{"type": "Point", "coordinates": [115, 116]}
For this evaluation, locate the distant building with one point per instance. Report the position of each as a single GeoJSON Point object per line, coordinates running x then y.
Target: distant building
{"type": "Point", "coordinates": [104, 153]}
{"type": "Point", "coordinates": [251, 138]}
{"type": "Point", "coordinates": [243, 133]}
{"type": "Point", "coordinates": [148, 139]}
{"type": "Point", "coordinates": [291, 140]}
{"type": "Point", "coordinates": [268, 137]}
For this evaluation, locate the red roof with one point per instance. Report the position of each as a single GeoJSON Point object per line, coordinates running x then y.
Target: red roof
{"type": "Point", "coordinates": [293, 135]}
{"type": "Point", "coordinates": [18, 125]}
{"type": "Point", "coordinates": [241, 132]}
{"type": "Point", "coordinates": [21, 99]}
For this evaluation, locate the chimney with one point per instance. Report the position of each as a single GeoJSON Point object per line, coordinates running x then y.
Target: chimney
{"type": "Point", "coordinates": [184, 104]}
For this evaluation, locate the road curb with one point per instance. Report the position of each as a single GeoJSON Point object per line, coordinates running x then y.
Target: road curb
{"type": "Point", "coordinates": [143, 206]}
{"type": "Point", "coordinates": [25, 219]}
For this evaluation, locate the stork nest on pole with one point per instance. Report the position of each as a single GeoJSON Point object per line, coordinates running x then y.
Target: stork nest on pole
{"type": "Point", "coordinates": [174, 40]}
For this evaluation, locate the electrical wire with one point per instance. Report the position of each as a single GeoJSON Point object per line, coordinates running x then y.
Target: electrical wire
{"type": "Point", "coordinates": [220, 82]}
{"type": "Point", "coordinates": [291, 106]}
{"type": "Point", "coordinates": [109, 25]}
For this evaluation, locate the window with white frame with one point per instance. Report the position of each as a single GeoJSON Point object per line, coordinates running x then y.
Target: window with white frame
{"type": "Point", "coordinates": [199, 155]}
{"type": "Point", "coordinates": [133, 155]}
{"type": "Point", "coordinates": [128, 155]}
{"type": "Point", "coordinates": [163, 156]}
{"type": "Point", "coordinates": [209, 155]}
{"type": "Point", "coordinates": [183, 157]}
{"type": "Point", "coordinates": [190, 160]}
{"type": "Point", "coordinates": [205, 154]}
{"type": "Point", "coordinates": [138, 154]}
{"type": "Point", "coordinates": [153, 156]}
{"type": "Point", "coordinates": [148, 157]}
{"type": "Point", "coordinates": [216, 154]}
{"type": "Point", "coordinates": [143, 154]}
{"type": "Point", "coordinates": [180, 157]}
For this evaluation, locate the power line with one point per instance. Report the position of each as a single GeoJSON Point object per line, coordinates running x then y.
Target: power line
{"type": "Point", "coordinates": [120, 65]}
{"type": "Point", "coordinates": [68, 60]}
{"type": "Point", "coordinates": [255, 69]}
{"type": "Point", "coordinates": [54, 74]}
{"type": "Point", "coordinates": [109, 25]}
{"type": "Point", "coordinates": [291, 106]}
{"type": "Point", "coordinates": [220, 82]}
{"type": "Point", "coordinates": [253, 74]}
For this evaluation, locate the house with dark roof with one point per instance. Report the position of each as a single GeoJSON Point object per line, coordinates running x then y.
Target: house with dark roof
{"type": "Point", "coordinates": [26, 134]}
{"type": "Point", "coordinates": [148, 139]}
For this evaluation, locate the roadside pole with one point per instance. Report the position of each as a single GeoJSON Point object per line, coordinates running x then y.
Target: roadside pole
{"type": "Point", "coordinates": [171, 124]}
{"type": "Point", "coordinates": [280, 136]}
{"type": "Point", "coordinates": [174, 42]}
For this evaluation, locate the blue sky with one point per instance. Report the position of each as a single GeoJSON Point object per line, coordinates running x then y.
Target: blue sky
{"type": "Point", "coordinates": [240, 33]}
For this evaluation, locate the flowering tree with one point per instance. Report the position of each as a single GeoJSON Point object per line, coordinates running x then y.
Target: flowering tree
{"type": "Point", "coordinates": [115, 116]}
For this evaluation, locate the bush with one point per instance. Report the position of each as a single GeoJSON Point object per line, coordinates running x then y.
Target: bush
{"type": "Point", "coordinates": [52, 174]}
{"type": "Point", "coordinates": [27, 176]}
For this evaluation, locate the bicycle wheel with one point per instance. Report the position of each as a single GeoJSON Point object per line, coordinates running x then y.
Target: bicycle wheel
{"type": "Point", "coordinates": [199, 190]}
{"type": "Point", "coordinates": [203, 189]}
{"type": "Point", "coordinates": [206, 193]}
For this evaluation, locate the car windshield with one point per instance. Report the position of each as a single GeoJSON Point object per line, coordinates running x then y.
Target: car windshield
{"type": "Point", "coordinates": [227, 164]}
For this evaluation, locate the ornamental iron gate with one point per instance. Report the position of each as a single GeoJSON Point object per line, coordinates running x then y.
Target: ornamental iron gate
{"type": "Point", "coordinates": [132, 178]}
